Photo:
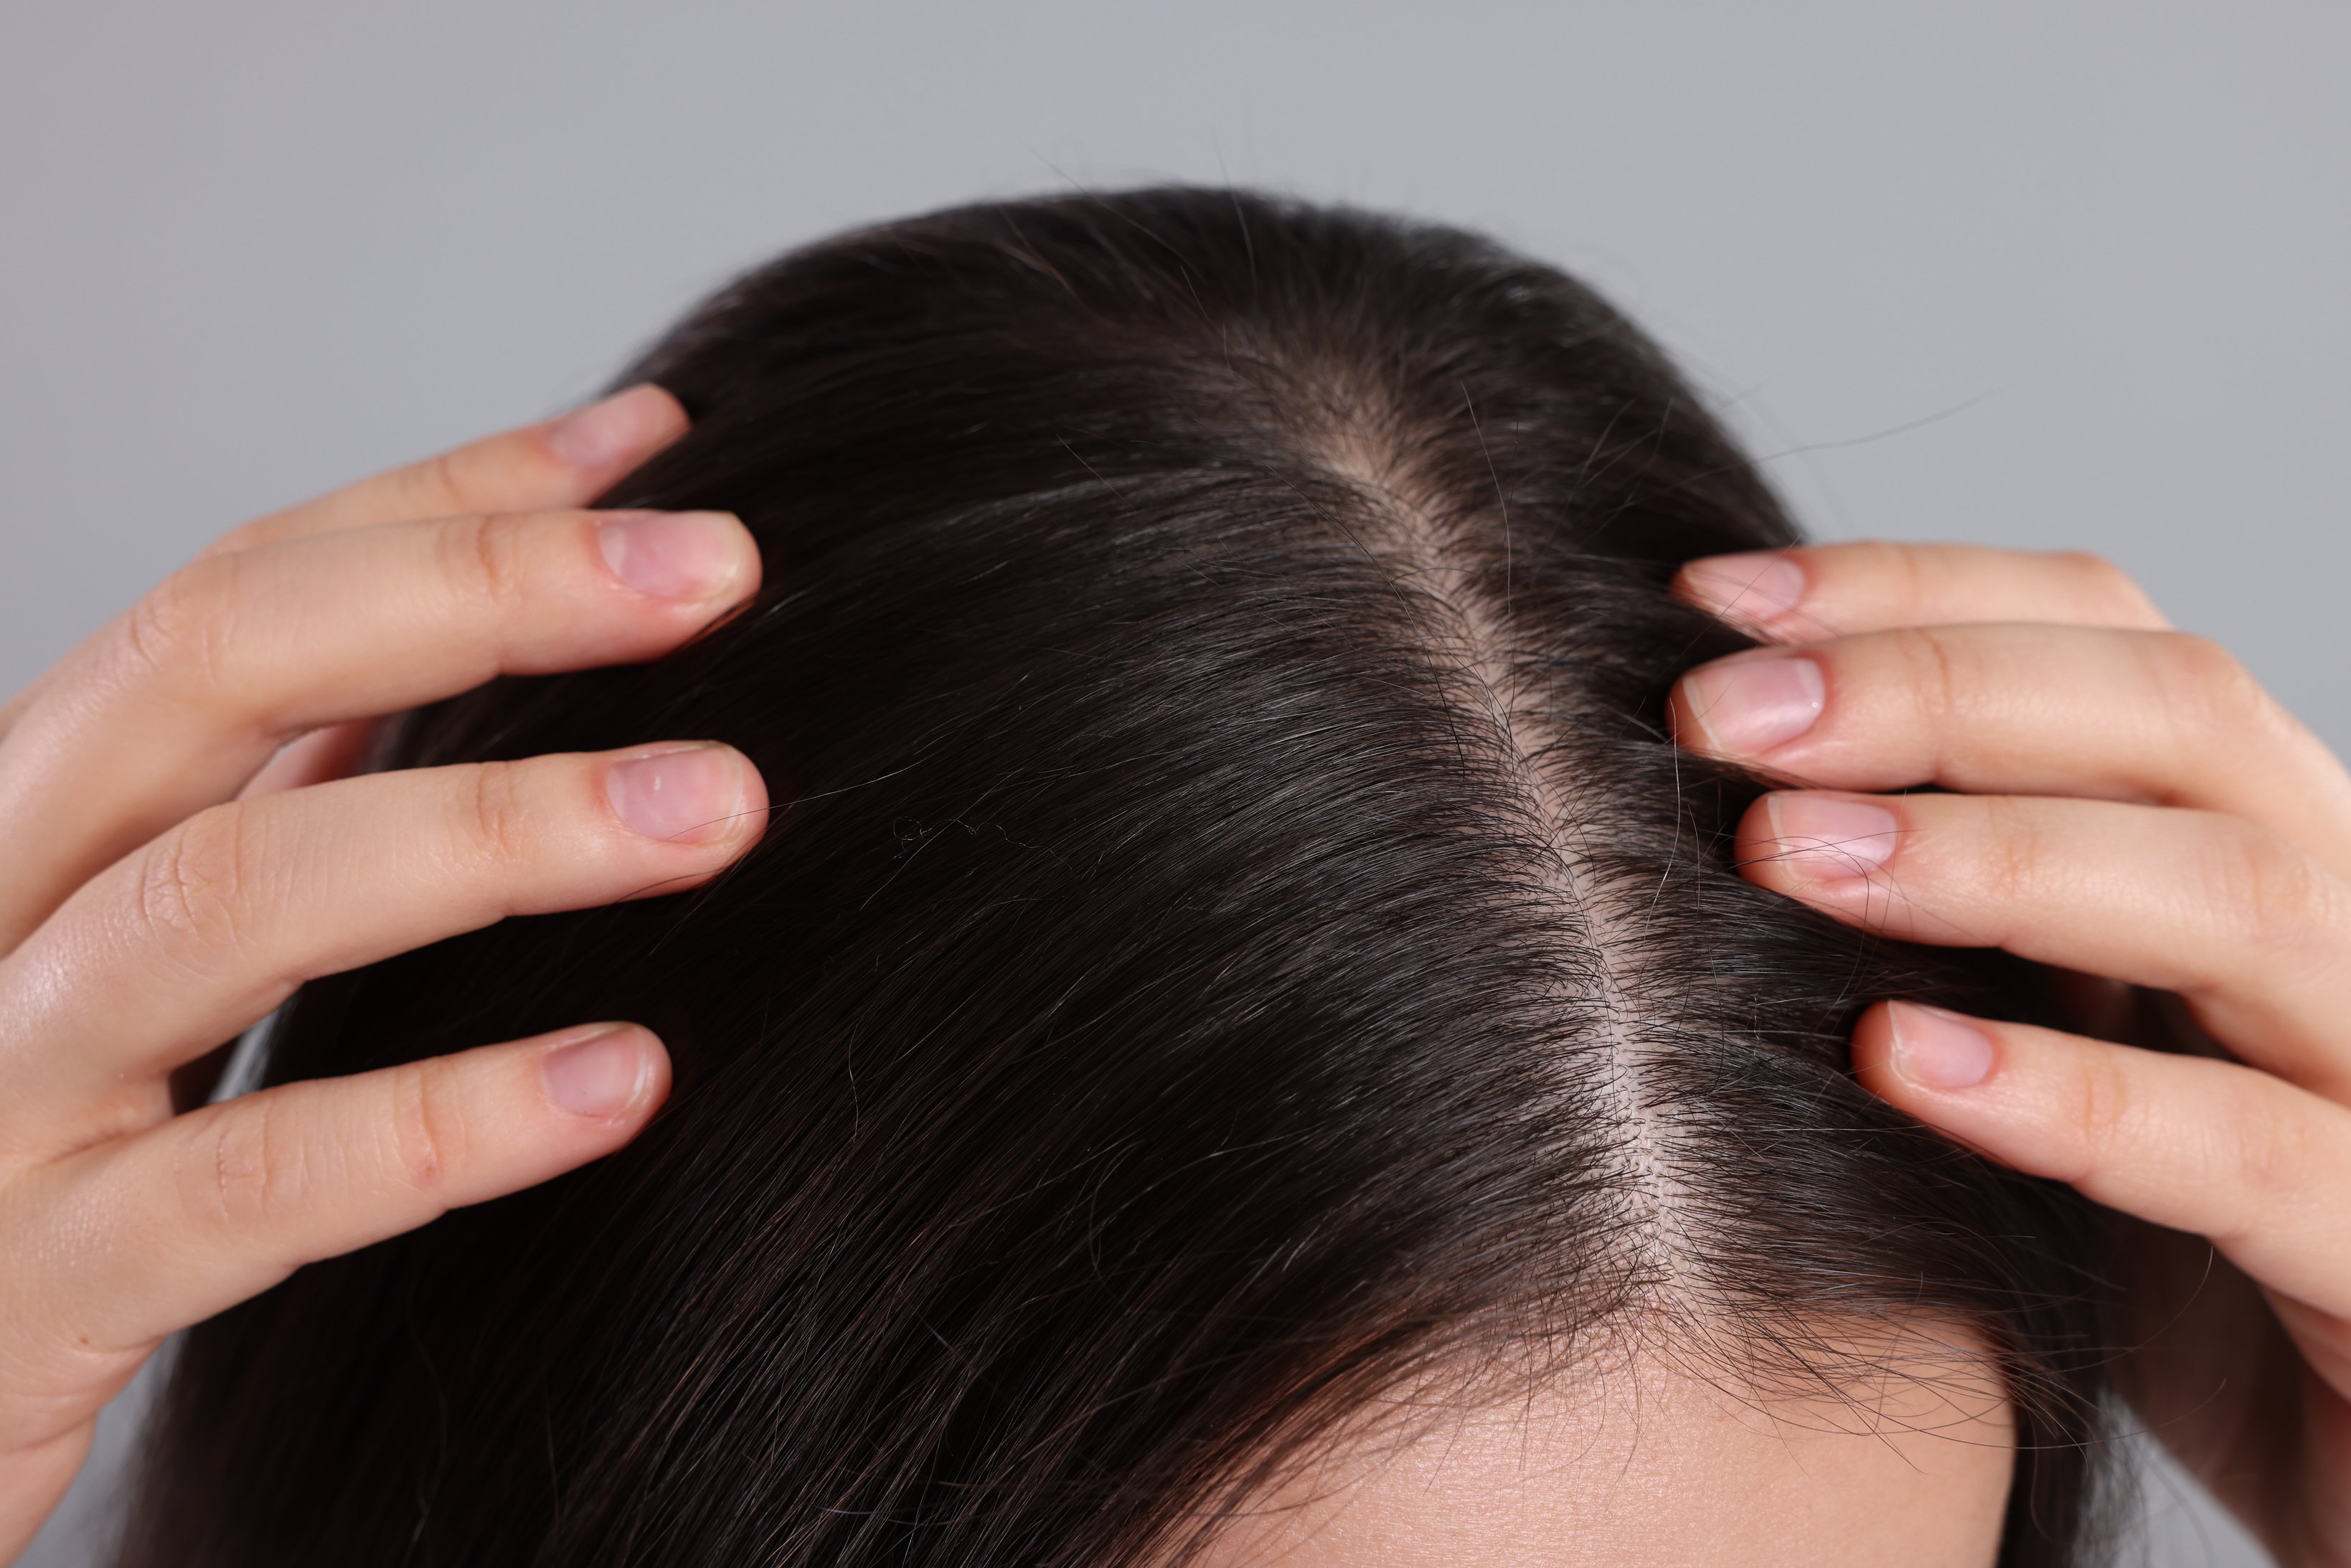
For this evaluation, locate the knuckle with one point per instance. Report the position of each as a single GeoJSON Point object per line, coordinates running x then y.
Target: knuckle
{"type": "Point", "coordinates": [2266, 1161]}
{"type": "Point", "coordinates": [2107, 588]}
{"type": "Point", "coordinates": [2013, 852]}
{"type": "Point", "coordinates": [2260, 882]}
{"type": "Point", "coordinates": [498, 823]}
{"type": "Point", "coordinates": [1893, 568]}
{"type": "Point", "coordinates": [2276, 900]}
{"type": "Point", "coordinates": [183, 631]}
{"type": "Point", "coordinates": [483, 559]}
{"type": "Point", "coordinates": [2206, 668]}
{"type": "Point", "coordinates": [2105, 1111]}
{"type": "Point", "coordinates": [247, 1172]}
{"type": "Point", "coordinates": [2241, 882]}
{"type": "Point", "coordinates": [426, 1128]}
{"type": "Point", "coordinates": [435, 488]}
{"type": "Point", "coordinates": [1910, 565]}
{"type": "Point", "coordinates": [195, 884]}
{"type": "Point", "coordinates": [2203, 688]}
{"type": "Point", "coordinates": [2213, 707]}
{"type": "Point", "coordinates": [1935, 673]}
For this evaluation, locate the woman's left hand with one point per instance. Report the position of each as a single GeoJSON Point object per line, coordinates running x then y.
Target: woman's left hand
{"type": "Point", "coordinates": [2128, 804]}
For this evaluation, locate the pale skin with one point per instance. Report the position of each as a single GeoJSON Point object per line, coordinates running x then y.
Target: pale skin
{"type": "Point", "coordinates": [183, 852]}
{"type": "Point", "coordinates": [2126, 803]}
{"type": "Point", "coordinates": [1648, 1462]}
{"type": "Point", "coordinates": [187, 845]}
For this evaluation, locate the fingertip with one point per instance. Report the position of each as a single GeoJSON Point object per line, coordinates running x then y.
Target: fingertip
{"type": "Point", "coordinates": [1818, 844]}
{"type": "Point", "coordinates": [1912, 1053]}
{"type": "Point", "coordinates": [691, 793]}
{"type": "Point", "coordinates": [612, 1073]}
{"type": "Point", "coordinates": [1749, 705]}
{"type": "Point", "coordinates": [1753, 589]}
{"type": "Point", "coordinates": [756, 808]}
{"type": "Point", "coordinates": [1684, 722]}
{"type": "Point", "coordinates": [617, 432]}
{"type": "Point", "coordinates": [1933, 1049]}
{"type": "Point", "coordinates": [1873, 1048]}
{"type": "Point", "coordinates": [705, 558]}
{"type": "Point", "coordinates": [1754, 842]}
{"type": "Point", "coordinates": [1901, 1050]}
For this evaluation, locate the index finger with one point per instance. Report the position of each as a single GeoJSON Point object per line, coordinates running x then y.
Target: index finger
{"type": "Point", "coordinates": [555, 464]}
{"type": "Point", "coordinates": [552, 465]}
{"type": "Point", "coordinates": [1815, 591]}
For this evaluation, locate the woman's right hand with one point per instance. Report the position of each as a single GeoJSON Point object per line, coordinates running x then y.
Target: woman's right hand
{"type": "Point", "coordinates": [2117, 800]}
{"type": "Point", "coordinates": [167, 883]}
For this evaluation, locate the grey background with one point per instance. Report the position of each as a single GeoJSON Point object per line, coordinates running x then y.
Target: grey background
{"type": "Point", "coordinates": [2045, 274]}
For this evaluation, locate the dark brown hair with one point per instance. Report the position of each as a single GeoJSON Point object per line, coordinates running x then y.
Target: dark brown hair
{"type": "Point", "coordinates": [1233, 936]}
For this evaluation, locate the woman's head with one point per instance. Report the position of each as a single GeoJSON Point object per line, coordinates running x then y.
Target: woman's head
{"type": "Point", "coordinates": [1240, 1006]}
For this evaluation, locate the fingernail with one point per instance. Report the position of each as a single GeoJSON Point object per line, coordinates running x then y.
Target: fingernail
{"type": "Point", "coordinates": [598, 1076]}
{"type": "Point", "coordinates": [625, 426]}
{"type": "Point", "coordinates": [687, 796]}
{"type": "Point", "coordinates": [673, 555]}
{"type": "Point", "coordinates": [1757, 585]}
{"type": "Point", "coordinates": [1828, 839]}
{"type": "Point", "coordinates": [1750, 704]}
{"type": "Point", "coordinates": [1938, 1049]}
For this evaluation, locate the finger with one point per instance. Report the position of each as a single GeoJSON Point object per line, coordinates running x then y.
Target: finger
{"type": "Point", "coordinates": [2253, 932]}
{"type": "Point", "coordinates": [212, 1208]}
{"type": "Point", "coordinates": [566, 462]}
{"type": "Point", "coordinates": [2252, 1163]}
{"type": "Point", "coordinates": [177, 704]}
{"type": "Point", "coordinates": [1804, 594]}
{"type": "Point", "coordinates": [2153, 716]}
{"type": "Point", "coordinates": [204, 932]}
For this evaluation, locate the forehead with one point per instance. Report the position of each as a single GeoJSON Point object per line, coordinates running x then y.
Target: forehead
{"type": "Point", "coordinates": [1651, 1463]}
